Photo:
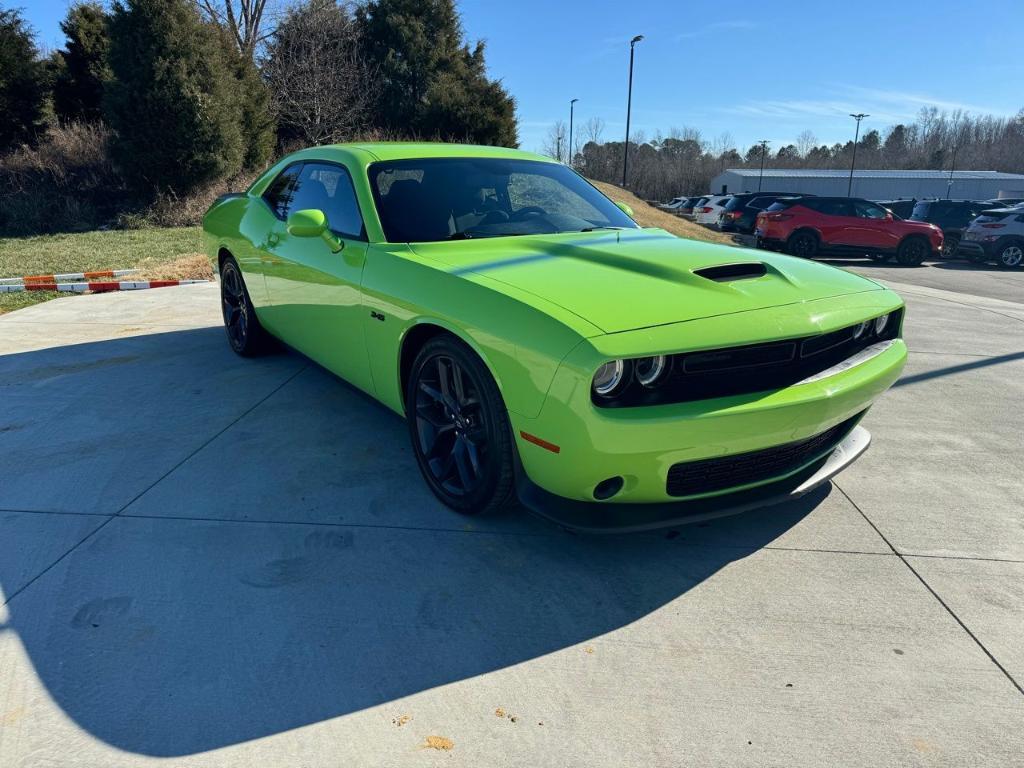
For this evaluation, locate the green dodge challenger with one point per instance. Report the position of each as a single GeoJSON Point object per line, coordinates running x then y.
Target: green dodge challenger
{"type": "Point", "coordinates": [543, 346]}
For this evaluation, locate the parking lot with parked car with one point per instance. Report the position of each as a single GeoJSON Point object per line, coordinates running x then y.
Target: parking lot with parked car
{"type": "Point", "coordinates": [266, 581]}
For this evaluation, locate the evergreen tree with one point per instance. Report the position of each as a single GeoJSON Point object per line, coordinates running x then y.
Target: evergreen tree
{"type": "Point", "coordinates": [252, 98]}
{"type": "Point", "coordinates": [23, 83]}
{"type": "Point", "coordinates": [431, 82]}
{"type": "Point", "coordinates": [173, 102]}
{"type": "Point", "coordinates": [85, 68]}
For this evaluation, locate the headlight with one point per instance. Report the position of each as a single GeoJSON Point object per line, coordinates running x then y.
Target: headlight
{"type": "Point", "coordinates": [650, 369]}
{"type": "Point", "coordinates": [880, 323]}
{"type": "Point", "coordinates": [609, 377]}
{"type": "Point", "coordinates": [861, 328]}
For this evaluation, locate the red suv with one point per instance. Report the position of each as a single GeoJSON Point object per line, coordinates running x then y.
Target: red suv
{"type": "Point", "coordinates": [807, 226]}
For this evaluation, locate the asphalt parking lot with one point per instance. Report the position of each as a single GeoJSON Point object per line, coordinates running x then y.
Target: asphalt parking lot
{"type": "Point", "coordinates": [235, 562]}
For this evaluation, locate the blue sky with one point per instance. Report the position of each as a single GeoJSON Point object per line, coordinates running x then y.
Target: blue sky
{"type": "Point", "coordinates": [754, 70]}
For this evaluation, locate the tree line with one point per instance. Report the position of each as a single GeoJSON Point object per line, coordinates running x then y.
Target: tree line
{"type": "Point", "coordinates": [683, 162]}
{"type": "Point", "coordinates": [159, 99]}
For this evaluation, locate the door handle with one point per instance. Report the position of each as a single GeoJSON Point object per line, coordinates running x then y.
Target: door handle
{"type": "Point", "coordinates": [273, 239]}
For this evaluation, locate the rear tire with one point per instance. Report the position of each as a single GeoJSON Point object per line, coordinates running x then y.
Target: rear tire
{"type": "Point", "coordinates": [245, 334]}
{"type": "Point", "coordinates": [803, 245]}
{"type": "Point", "coordinates": [1011, 255]}
{"type": "Point", "coordinates": [459, 428]}
{"type": "Point", "coordinates": [912, 252]}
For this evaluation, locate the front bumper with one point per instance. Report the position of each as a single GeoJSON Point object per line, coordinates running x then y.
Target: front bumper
{"type": "Point", "coordinates": [971, 249]}
{"type": "Point", "coordinates": [593, 517]}
{"type": "Point", "coordinates": [588, 445]}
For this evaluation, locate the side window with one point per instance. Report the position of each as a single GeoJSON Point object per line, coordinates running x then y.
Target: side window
{"type": "Point", "coordinates": [279, 194]}
{"type": "Point", "coordinates": [830, 207]}
{"type": "Point", "coordinates": [328, 188]}
{"type": "Point", "coordinates": [868, 210]}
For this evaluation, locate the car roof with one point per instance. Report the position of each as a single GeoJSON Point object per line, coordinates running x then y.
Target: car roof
{"type": "Point", "coordinates": [412, 150]}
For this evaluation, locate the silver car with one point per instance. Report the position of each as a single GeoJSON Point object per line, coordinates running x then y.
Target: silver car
{"type": "Point", "coordinates": [995, 235]}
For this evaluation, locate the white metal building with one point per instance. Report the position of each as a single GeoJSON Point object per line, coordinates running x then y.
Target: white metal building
{"type": "Point", "coordinates": [874, 185]}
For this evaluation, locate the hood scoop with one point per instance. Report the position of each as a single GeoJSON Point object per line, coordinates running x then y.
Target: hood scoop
{"type": "Point", "coordinates": [725, 273]}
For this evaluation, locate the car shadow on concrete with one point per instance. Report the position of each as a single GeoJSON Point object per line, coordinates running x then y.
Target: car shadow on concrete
{"type": "Point", "coordinates": [181, 629]}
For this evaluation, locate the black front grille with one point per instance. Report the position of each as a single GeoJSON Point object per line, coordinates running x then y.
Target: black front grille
{"type": "Point", "coordinates": [752, 368]}
{"type": "Point", "coordinates": [709, 475]}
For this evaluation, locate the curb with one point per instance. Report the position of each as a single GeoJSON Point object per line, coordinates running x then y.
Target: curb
{"type": "Point", "coordinates": [127, 285]}
{"type": "Point", "coordinates": [68, 276]}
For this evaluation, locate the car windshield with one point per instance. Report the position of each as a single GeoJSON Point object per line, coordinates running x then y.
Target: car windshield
{"type": "Point", "coordinates": [434, 199]}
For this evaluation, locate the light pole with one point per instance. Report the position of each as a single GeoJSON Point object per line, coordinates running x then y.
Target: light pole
{"type": "Point", "coordinates": [764, 149]}
{"type": "Point", "coordinates": [949, 184]}
{"type": "Point", "coordinates": [571, 105]}
{"type": "Point", "coordinates": [629, 107]}
{"type": "Point", "coordinates": [856, 136]}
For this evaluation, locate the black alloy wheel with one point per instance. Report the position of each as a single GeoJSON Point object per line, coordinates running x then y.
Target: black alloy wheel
{"type": "Point", "coordinates": [803, 244]}
{"type": "Point", "coordinates": [912, 252]}
{"type": "Point", "coordinates": [245, 335]}
{"type": "Point", "coordinates": [459, 428]}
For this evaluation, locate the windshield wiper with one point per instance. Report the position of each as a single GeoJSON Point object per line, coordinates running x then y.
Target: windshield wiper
{"type": "Point", "coordinates": [594, 229]}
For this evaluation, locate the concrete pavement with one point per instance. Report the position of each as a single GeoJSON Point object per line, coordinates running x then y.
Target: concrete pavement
{"type": "Point", "coordinates": [232, 563]}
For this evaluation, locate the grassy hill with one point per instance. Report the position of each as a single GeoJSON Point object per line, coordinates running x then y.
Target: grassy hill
{"type": "Point", "coordinates": [649, 216]}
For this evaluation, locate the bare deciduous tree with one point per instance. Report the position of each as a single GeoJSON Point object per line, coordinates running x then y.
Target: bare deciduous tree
{"type": "Point", "coordinates": [556, 140]}
{"type": "Point", "coordinates": [593, 129]}
{"type": "Point", "coordinates": [317, 78]}
{"type": "Point", "coordinates": [242, 18]}
{"type": "Point", "coordinates": [805, 142]}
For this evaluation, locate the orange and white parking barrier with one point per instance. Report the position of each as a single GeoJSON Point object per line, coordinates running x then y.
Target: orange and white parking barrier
{"type": "Point", "coordinates": [68, 276]}
{"type": "Point", "coordinates": [96, 287]}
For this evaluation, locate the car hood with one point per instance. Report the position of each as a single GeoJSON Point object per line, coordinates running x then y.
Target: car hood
{"type": "Point", "coordinates": [629, 279]}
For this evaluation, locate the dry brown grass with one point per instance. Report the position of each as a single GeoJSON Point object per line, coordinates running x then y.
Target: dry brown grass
{"type": "Point", "coordinates": [193, 266]}
{"type": "Point", "coordinates": [648, 216]}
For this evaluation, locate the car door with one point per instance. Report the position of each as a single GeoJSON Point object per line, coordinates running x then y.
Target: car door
{"type": "Point", "coordinates": [315, 293]}
{"type": "Point", "coordinates": [834, 220]}
{"type": "Point", "coordinates": [262, 218]}
{"type": "Point", "coordinates": [872, 228]}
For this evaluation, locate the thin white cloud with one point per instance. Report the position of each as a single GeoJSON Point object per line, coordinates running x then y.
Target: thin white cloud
{"type": "Point", "coordinates": [718, 26]}
{"type": "Point", "coordinates": [883, 106]}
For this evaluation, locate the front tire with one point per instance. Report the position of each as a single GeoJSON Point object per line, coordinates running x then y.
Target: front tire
{"type": "Point", "coordinates": [950, 245]}
{"type": "Point", "coordinates": [459, 428]}
{"type": "Point", "coordinates": [245, 334]}
{"type": "Point", "coordinates": [912, 252]}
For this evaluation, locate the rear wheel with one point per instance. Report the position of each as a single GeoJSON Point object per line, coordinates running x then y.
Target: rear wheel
{"type": "Point", "coordinates": [803, 244]}
{"type": "Point", "coordinates": [459, 428]}
{"type": "Point", "coordinates": [912, 252]}
{"type": "Point", "coordinates": [1011, 255]}
{"type": "Point", "coordinates": [245, 334]}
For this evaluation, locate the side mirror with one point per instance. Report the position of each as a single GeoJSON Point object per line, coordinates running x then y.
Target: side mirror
{"type": "Point", "coordinates": [625, 209]}
{"type": "Point", "coordinates": [313, 223]}
{"type": "Point", "coordinates": [888, 216]}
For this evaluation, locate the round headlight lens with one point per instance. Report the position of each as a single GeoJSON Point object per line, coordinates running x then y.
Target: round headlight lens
{"type": "Point", "coordinates": [650, 369]}
{"type": "Point", "coordinates": [609, 377]}
{"type": "Point", "coordinates": [880, 323]}
{"type": "Point", "coordinates": [861, 328]}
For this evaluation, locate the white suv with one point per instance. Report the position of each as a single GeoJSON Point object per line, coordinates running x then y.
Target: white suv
{"type": "Point", "coordinates": [995, 235]}
{"type": "Point", "coordinates": [708, 212]}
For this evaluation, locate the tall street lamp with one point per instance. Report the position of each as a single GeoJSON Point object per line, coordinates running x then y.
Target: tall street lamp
{"type": "Point", "coordinates": [571, 105]}
{"type": "Point", "coordinates": [629, 107]}
{"type": "Point", "coordinates": [949, 184]}
{"type": "Point", "coordinates": [856, 136]}
{"type": "Point", "coordinates": [764, 150]}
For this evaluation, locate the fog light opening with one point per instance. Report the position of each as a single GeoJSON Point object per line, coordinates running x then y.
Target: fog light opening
{"type": "Point", "coordinates": [608, 488]}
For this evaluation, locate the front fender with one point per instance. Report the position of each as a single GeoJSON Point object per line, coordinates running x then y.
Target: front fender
{"type": "Point", "coordinates": [520, 344]}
